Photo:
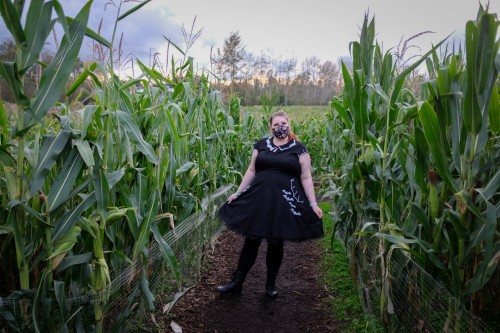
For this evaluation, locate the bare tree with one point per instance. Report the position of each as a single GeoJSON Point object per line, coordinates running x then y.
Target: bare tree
{"type": "Point", "coordinates": [285, 69]}
{"type": "Point", "coordinates": [233, 55]}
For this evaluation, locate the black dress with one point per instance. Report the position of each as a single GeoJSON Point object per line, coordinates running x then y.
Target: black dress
{"type": "Point", "coordinates": [274, 206]}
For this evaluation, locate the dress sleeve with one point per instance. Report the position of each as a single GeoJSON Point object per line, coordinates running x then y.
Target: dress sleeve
{"type": "Point", "coordinates": [258, 145]}
{"type": "Point", "coordinates": [301, 149]}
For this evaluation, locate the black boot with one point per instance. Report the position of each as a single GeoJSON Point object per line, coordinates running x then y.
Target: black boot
{"type": "Point", "coordinates": [235, 286]}
{"type": "Point", "coordinates": [271, 290]}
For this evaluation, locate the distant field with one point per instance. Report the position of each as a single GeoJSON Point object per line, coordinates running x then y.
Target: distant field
{"type": "Point", "coordinates": [296, 113]}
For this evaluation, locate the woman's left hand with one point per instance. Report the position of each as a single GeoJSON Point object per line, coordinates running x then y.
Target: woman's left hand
{"type": "Point", "coordinates": [318, 211]}
{"type": "Point", "coordinates": [232, 197]}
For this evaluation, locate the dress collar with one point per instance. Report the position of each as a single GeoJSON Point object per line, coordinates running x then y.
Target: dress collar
{"type": "Point", "coordinates": [272, 147]}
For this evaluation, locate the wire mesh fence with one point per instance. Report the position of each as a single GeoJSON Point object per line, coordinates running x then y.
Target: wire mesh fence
{"type": "Point", "coordinates": [395, 289]}
{"type": "Point", "coordinates": [127, 307]}
{"type": "Point", "coordinates": [391, 286]}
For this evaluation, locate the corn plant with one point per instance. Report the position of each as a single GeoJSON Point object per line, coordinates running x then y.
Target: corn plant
{"type": "Point", "coordinates": [460, 125]}
{"type": "Point", "coordinates": [60, 188]}
{"type": "Point", "coordinates": [393, 142]}
{"type": "Point", "coordinates": [36, 226]}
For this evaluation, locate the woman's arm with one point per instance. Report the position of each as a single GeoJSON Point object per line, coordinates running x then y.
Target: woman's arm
{"type": "Point", "coordinates": [247, 178]}
{"type": "Point", "coordinates": [307, 183]}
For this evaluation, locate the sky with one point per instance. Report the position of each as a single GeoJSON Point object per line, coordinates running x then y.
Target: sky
{"type": "Point", "coordinates": [282, 28]}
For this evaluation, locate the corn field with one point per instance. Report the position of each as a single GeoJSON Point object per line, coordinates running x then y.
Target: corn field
{"type": "Point", "coordinates": [88, 189]}
{"type": "Point", "coordinates": [419, 176]}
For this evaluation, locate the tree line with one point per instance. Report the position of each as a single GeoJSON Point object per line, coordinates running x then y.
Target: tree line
{"type": "Point", "coordinates": [236, 72]}
{"type": "Point", "coordinates": [250, 76]}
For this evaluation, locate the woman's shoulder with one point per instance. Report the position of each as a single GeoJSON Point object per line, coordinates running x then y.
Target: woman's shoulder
{"type": "Point", "coordinates": [262, 143]}
{"type": "Point", "coordinates": [299, 144]}
{"type": "Point", "coordinates": [300, 148]}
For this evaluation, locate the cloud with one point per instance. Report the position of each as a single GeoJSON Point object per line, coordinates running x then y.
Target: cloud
{"type": "Point", "coordinates": [298, 29]}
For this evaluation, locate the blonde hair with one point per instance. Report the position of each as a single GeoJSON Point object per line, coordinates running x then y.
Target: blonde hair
{"type": "Point", "coordinates": [281, 113]}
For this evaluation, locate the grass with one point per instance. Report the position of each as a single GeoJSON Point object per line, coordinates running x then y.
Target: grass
{"type": "Point", "coordinates": [345, 304]}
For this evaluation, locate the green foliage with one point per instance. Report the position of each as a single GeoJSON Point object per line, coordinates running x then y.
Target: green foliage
{"type": "Point", "coordinates": [85, 193]}
{"type": "Point", "coordinates": [345, 303]}
{"type": "Point", "coordinates": [415, 172]}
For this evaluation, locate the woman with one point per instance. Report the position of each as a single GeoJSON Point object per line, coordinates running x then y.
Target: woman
{"type": "Point", "coordinates": [275, 201]}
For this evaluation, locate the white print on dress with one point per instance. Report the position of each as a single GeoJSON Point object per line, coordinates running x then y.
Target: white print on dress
{"type": "Point", "coordinates": [292, 196]}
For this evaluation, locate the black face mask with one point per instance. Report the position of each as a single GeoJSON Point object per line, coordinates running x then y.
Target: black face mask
{"type": "Point", "coordinates": [281, 132]}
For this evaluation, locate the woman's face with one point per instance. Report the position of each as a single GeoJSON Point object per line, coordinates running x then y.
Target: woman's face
{"type": "Point", "coordinates": [280, 127]}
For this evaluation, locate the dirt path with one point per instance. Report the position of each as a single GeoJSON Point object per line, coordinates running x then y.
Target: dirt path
{"type": "Point", "coordinates": [300, 306]}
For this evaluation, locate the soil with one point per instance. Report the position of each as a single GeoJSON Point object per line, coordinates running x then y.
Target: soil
{"type": "Point", "coordinates": [301, 305]}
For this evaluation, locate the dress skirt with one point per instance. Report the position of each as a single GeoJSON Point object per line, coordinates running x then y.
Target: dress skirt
{"type": "Point", "coordinates": [274, 206]}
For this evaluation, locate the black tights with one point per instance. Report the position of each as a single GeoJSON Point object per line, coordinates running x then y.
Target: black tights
{"type": "Point", "coordinates": [249, 253]}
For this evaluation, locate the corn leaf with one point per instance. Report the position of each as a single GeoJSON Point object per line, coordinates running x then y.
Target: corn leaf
{"type": "Point", "coordinates": [175, 45]}
{"type": "Point", "coordinates": [140, 192]}
{"type": "Point", "coordinates": [150, 73]}
{"type": "Point", "coordinates": [456, 122]}
{"type": "Point", "coordinates": [6, 159]}
{"type": "Point", "coordinates": [85, 151]}
{"type": "Point", "coordinates": [8, 317]}
{"type": "Point", "coordinates": [145, 288]}
{"type": "Point", "coordinates": [87, 113]}
{"type": "Point", "coordinates": [348, 85]}
{"type": "Point", "coordinates": [133, 217]}
{"type": "Point", "coordinates": [486, 266]}
{"type": "Point", "coordinates": [67, 176]}
{"type": "Point", "coordinates": [129, 83]}
{"type": "Point", "coordinates": [92, 34]}
{"type": "Point", "coordinates": [80, 79]}
{"type": "Point", "coordinates": [101, 189]}
{"type": "Point", "coordinates": [114, 177]}
{"type": "Point", "coordinates": [29, 210]}
{"type": "Point", "coordinates": [18, 239]}
{"type": "Point", "coordinates": [360, 107]}
{"type": "Point", "coordinates": [396, 239]}
{"type": "Point", "coordinates": [58, 71]}
{"type": "Point", "coordinates": [432, 134]}
{"type": "Point", "coordinates": [135, 134]}
{"type": "Point", "coordinates": [79, 259]}
{"type": "Point", "coordinates": [8, 70]}
{"type": "Point", "coordinates": [494, 110]}
{"type": "Point", "coordinates": [127, 13]}
{"type": "Point", "coordinates": [50, 149]}
{"type": "Point", "coordinates": [62, 20]}
{"type": "Point", "coordinates": [12, 20]}
{"type": "Point", "coordinates": [38, 294]}
{"type": "Point", "coordinates": [472, 113]}
{"type": "Point", "coordinates": [63, 305]}
{"type": "Point", "coordinates": [167, 253]}
{"type": "Point", "coordinates": [38, 27]}
{"type": "Point", "coordinates": [487, 51]}
{"type": "Point", "coordinates": [63, 245]}
{"type": "Point", "coordinates": [144, 230]}
{"type": "Point", "coordinates": [185, 167]}
{"type": "Point", "coordinates": [68, 220]}
{"type": "Point", "coordinates": [491, 188]}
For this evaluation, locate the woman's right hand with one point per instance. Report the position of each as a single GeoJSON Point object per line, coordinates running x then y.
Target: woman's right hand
{"type": "Point", "coordinates": [232, 197]}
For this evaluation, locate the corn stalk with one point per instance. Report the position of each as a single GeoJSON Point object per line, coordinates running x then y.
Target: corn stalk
{"type": "Point", "coordinates": [394, 142]}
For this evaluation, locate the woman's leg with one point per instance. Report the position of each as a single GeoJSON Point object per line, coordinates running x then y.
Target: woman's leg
{"type": "Point", "coordinates": [248, 255]}
{"type": "Point", "coordinates": [274, 258]}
